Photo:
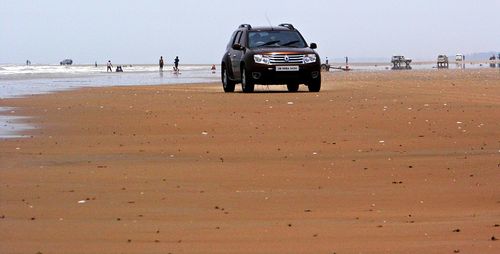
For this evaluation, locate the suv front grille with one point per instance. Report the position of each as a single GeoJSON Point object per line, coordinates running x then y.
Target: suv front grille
{"type": "Point", "coordinates": [286, 59]}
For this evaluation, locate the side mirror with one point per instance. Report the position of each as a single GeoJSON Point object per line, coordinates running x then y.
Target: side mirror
{"type": "Point", "coordinates": [313, 46]}
{"type": "Point", "coordinates": [237, 46]}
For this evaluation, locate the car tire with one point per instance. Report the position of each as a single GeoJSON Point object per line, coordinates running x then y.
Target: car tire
{"type": "Point", "coordinates": [246, 84]}
{"type": "Point", "coordinates": [227, 83]}
{"type": "Point", "coordinates": [292, 87]}
{"type": "Point", "coordinates": [325, 67]}
{"type": "Point", "coordinates": [314, 85]}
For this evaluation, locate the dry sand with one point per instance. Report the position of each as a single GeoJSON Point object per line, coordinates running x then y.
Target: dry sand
{"type": "Point", "coordinates": [388, 162]}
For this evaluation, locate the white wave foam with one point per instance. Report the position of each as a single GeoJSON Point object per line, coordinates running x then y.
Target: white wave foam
{"type": "Point", "coordinates": [87, 69]}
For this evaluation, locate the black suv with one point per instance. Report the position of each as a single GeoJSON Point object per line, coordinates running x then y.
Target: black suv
{"type": "Point", "coordinates": [270, 55]}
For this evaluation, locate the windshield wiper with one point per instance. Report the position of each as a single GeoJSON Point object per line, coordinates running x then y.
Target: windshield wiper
{"type": "Point", "coordinates": [290, 43]}
{"type": "Point", "coordinates": [268, 43]}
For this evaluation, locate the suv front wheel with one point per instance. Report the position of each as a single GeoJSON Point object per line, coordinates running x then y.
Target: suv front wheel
{"type": "Point", "coordinates": [246, 83]}
{"type": "Point", "coordinates": [314, 85]}
{"type": "Point", "coordinates": [227, 83]}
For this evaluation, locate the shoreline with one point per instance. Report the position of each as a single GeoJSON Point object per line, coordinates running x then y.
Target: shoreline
{"type": "Point", "coordinates": [375, 162]}
{"type": "Point", "coordinates": [11, 123]}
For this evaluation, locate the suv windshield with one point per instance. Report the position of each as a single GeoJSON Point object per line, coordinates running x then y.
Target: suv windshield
{"type": "Point", "coordinates": [275, 39]}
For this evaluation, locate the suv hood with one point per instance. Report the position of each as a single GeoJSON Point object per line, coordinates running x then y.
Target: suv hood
{"type": "Point", "coordinates": [287, 51]}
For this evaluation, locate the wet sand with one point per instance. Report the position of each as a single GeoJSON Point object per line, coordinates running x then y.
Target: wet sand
{"type": "Point", "coordinates": [384, 162]}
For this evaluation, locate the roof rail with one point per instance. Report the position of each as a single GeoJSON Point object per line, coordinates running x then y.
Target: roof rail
{"type": "Point", "coordinates": [289, 26]}
{"type": "Point", "coordinates": [247, 26]}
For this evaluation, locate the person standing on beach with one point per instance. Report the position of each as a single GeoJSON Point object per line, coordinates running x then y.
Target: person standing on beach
{"type": "Point", "coordinates": [176, 63]}
{"type": "Point", "coordinates": [110, 67]}
{"type": "Point", "coordinates": [161, 63]}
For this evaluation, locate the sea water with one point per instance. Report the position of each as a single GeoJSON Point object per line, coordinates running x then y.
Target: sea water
{"type": "Point", "coordinates": [16, 80]}
{"type": "Point", "coordinates": [22, 80]}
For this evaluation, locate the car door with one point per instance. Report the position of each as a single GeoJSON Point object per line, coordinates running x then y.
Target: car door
{"type": "Point", "coordinates": [235, 56]}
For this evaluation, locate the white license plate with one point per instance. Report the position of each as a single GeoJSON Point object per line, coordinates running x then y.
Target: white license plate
{"type": "Point", "coordinates": [287, 68]}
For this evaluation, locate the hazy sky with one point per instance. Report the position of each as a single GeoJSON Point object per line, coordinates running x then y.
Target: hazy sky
{"type": "Point", "coordinates": [47, 31]}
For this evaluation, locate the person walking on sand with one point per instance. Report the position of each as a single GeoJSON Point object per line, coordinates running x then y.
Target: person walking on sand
{"type": "Point", "coordinates": [110, 67]}
{"type": "Point", "coordinates": [176, 63]}
{"type": "Point", "coordinates": [161, 63]}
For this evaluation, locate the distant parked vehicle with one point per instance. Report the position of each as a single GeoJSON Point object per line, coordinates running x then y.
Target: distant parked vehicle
{"type": "Point", "coordinates": [459, 58]}
{"type": "Point", "coordinates": [66, 62]}
{"type": "Point", "coordinates": [400, 62]}
{"type": "Point", "coordinates": [493, 59]}
{"type": "Point", "coordinates": [460, 61]}
{"type": "Point", "coordinates": [442, 62]}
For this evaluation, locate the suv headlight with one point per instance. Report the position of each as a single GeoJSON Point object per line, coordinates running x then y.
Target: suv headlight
{"type": "Point", "coordinates": [262, 59]}
{"type": "Point", "coordinates": [310, 58]}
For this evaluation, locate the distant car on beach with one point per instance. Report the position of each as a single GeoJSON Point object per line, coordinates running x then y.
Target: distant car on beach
{"type": "Point", "coordinates": [399, 62]}
{"type": "Point", "coordinates": [442, 61]}
{"type": "Point", "coordinates": [270, 55]}
{"type": "Point", "coordinates": [66, 62]}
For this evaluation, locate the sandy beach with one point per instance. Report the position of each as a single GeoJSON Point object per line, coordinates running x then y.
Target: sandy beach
{"type": "Point", "coordinates": [377, 162]}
